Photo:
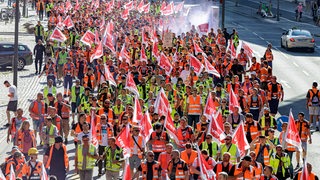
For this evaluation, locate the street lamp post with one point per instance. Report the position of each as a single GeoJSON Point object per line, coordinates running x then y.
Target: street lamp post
{"type": "Point", "coordinates": [16, 36]}
{"type": "Point", "coordinates": [278, 10]}
{"type": "Point", "coordinates": [223, 13]}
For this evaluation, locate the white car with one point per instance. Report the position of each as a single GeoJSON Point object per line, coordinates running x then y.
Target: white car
{"type": "Point", "coordinates": [297, 38]}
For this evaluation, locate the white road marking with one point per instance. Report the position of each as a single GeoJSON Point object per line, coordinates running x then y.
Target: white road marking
{"type": "Point", "coordinates": [255, 33]}
{"type": "Point", "coordinates": [285, 83]}
{"type": "Point", "coordinates": [306, 73]}
{"type": "Point", "coordinates": [294, 63]}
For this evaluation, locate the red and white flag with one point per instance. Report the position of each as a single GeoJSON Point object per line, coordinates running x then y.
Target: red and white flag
{"type": "Point", "coordinates": [216, 126]}
{"type": "Point", "coordinates": [129, 5]}
{"type": "Point", "coordinates": [58, 35]}
{"type": "Point", "coordinates": [143, 56]}
{"type": "Point", "coordinates": [68, 5]}
{"type": "Point", "coordinates": [233, 102]}
{"type": "Point", "coordinates": [98, 52]}
{"type": "Point", "coordinates": [2, 177]}
{"type": "Point", "coordinates": [44, 175]}
{"type": "Point", "coordinates": [210, 107]}
{"type": "Point", "coordinates": [154, 37]}
{"type": "Point", "coordinates": [164, 63]}
{"type": "Point", "coordinates": [125, 14]}
{"type": "Point", "coordinates": [169, 10]}
{"type": "Point", "coordinates": [124, 54]}
{"type": "Point", "coordinates": [131, 85]}
{"type": "Point", "coordinates": [232, 49]}
{"type": "Point", "coordinates": [169, 126]}
{"type": "Point", "coordinates": [95, 4]}
{"type": "Point", "coordinates": [203, 28]}
{"type": "Point", "coordinates": [123, 141]}
{"type": "Point", "coordinates": [140, 6]}
{"type": "Point", "coordinates": [96, 37]}
{"type": "Point", "coordinates": [239, 138]}
{"type": "Point", "coordinates": [196, 64]}
{"type": "Point", "coordinates": [197, 49]}
{"type": "Point", "coordinates": [146, 8]}
{"type": "Point", "coordinates": [88, 38]}
{"type": "Point", "coordinates": [179, 7]}
{"type": "Point", "coordinates": [109, 76]}
{"type": "Point", "coordinates": [205, 171]}
{"type": "Point", "coordinates": [210, 68]}
{"type": "Point", "coordinates": [12, 175]}
{"type": "Point", "coordinates": [77, 6]}
{"type": "Point", "coordinates": [155, 51]}
{"type": "Point", "coordinates": [137, 111]}
{"type": "Point", "coordinates": [108, 42]}
{"type": "Point", "coordinates": [247, 50]}
{"type": "Point", "coordinates": [163, 6]}
{"type": "Point", "coordinates": [304, 174]}
{"type": "Point", "coordinates": [93, 131]}
{"type": "Point", "coordinates": [292, 134]}
{"type": "Point", "coordinates": [146, 127]}
{"type": "Point", "coordinates": [68, 22]}
{"type": "Point", "coordinates": [162, 104]}
{"type": "Point", "coordinates": [126, 170]}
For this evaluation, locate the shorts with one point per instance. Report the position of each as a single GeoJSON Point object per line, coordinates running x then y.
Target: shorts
{"type": "Point", "coordinates": [134, 161]}
{"type": "Point", "coordinates": [12, 106]}
{"type": "Point", "coordinates": [303, 145]}
{"type": "Point", "coordinates": [36, 125]}
{"type": "Point", "coordinates": [314, 110]}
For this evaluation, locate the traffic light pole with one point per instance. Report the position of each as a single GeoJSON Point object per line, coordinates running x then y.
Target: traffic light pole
{"type": "Point", "coordinates": [16, 38]}
{"type": "Point", "coordinates": [223, 13]}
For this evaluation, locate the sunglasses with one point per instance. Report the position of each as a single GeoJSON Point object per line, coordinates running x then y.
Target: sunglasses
{"type": "Point", "coordinates": [227, 139]}
{"type": "Point", "coordinates": [103, 118]}
{"type": "Point", "coordinates": [208, 137]}
{"type": "Point", "coordinates": [151, 155]}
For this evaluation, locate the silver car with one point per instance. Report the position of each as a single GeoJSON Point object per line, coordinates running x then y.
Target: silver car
{"type": "Point", "coordinates": [297, 38]}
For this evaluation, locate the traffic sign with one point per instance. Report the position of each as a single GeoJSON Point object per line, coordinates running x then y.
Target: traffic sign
{"type": "Point", "coordinates": [281, 120]}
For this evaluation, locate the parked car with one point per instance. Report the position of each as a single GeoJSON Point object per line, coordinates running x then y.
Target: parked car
{"type": "Point", "coordinates": [7, 55]}
{"type": "Point", "coordinates": [297, 38]}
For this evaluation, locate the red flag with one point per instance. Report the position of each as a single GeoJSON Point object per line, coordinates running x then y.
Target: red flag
{"type": "Point", "coordinates": [304, 174]}
{"type": "Point", "coordinates": [169, 10]}
{"type": "Point", "coordinates": [137, 111]}
{"type": "Point", "coordinates": [123, 141]}
{"type": "Point", "coordinates": [205, 171]}
{"type": "Point", "coordinates": [77, 6]}
{"type": "Point", "coordinates": [154, 37]}
{"type": "Point", "coordinates": [210, 68]}
{"type": "Point", "coordinates": [44, 175]}
{"type": "Point", "coordinates": [131, 85]}
{"type": "Point", "coordinates": [203, 28]}
{"type": "Point", "coordinates": [68, 5]}
{"type": "Point", "coordinates": [146, 8]}
{"type": "Point", "coordinates": [196, 64]}
{"type": "Point", "coordinates": [247, 50]}
{"type": "Point", "coordinates": [124, 54]}
{"type": "Point", "coordinates": [58, 35]}
{"type": "Point", "coordinates": [172, 131]}
{"type": "Point", "coordinates": [292, 134]}
{"type": "Point", "coordinates": [163, 6]}
{"type": "Point", "coordinates": [129, 5]}
{"type": "Point", "coordinates": [216, 126]}
{"type": "Point", "coordinates": [108, 42]}
{"type": "Point", "coordinates": [162, 104]}
{"type": "Point", "coordinates": [126, 171]}
{"type": "Point", "coordinates": [2, 177]}
{"type": "Point", "coordinates": [12, 175]}
{"type": "Point", "coordinates": [140, 7]}
{"type": "Point", "coordinates": [210, 107]}
{"type": "Point", "coordinates": [197, 49]}
{"type": "Point", "coordinates": [109, 76]}
{"type": "Point", "coordinates": [143, 56]}
{"type": "Point", "coordinates": [155, 51]}
{"type": "Point", "coordinates": [179, 7]}
{"type": "Point", "coordinates": [88, 38]}
{"type": "Point", "coordinates": [98, 52]}
{"type": "Point", "coordinates": [164, 63]}
{"type": "Point", "coordinates": [125, 14]}
{"type": "Point", "coordinates": [144, 38]}
{"type": "Point", "coordinates": [239, 138]}
{"type": "Point", "coordinates": [93, 131]}
{"type": "Point", "coordinates": [233, 102]}
{"type": "Point", "coordinates": [96, 37]}
{"type": "Point", "coordinates": [68, 22]}
{"type": "Point", "coordinates": [146, 127]}
{"type": "Point", "coordinates": [232, 49]}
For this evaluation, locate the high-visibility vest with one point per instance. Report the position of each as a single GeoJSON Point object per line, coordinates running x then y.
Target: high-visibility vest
{"type": "Point", "coordinates": [184, 139]}
{"type": "Point", "coordinates": [303, 129]}
{"type": "Point", "coordinates": [214, 148]}
{"type": "Point", "coordinates": [159, 145]}
{"type": "Point", "coordinates": [188, 159]}
{"type": "Point", "coordinates": [13, 127]}
{"type": "Point", "coordinates": [266, 159]}
{"type": "Point", "coordinates": [50, 133]}
{"type": "Point", "coordinates": [86, 80]}
{"type": "Point", "coordinates": [38, 30]}
{"type": "Point", "coordinates": [62, 58]}
{"type": "Point", "coordinates": [219, 167]}
{"type": "Point", "coordinates": [20, 139]}
{"type": "Point", "coordinates": [312, 175]}
{"type": "Point", "coordinates": [118, 110]}
{"type": "Point", "coordinates": [194, 105]}
{"type": "Point", "coordinates": [35, 109]}
{"type": "Point", "coordinates": [263, 123]}
{"type": "Point", "coordinates": [99, 131]}
{"type": "Point", "coordinates": [269, 56]}
{"type": "Point", "coordinates": [254, 131]}
{"type": "Point", "coordinates": [65, 111]}
{"type": "Point", "coordinates": [36, 172]}
{"type": "Point", "coordinates": [110, 166]}
{"type": "Point", "coordinates": [232, 150]}
{"type": "Point", "coordinates": [275, 161]}
{"type": "Point", "coordinates": [68, 69]}
{"type": "Point", "coordinates": [90, 162]}
{"type": "Point", "coordinates": [258, 169]}
{"type": "Point", "coordinates": [164, 159]}
{"type": "Point", "coordinates": [46, 92]}
{"type": "Point", "coordinates": [155, 170]}
{"type": "Point", "coordinates": [132, 144]}
{"type": "Point", "coordinates": [274, 95]}
{"type": "Point", "coordinates": [179, 174]}
{"type": "Point", "coordinates": [65, 156]}
{"type": "Point", "coordinates": [247, 175]}
{"type": "Point", "coordinates": [289, 147]}
{"type": "Point", "coordinates": [74, 97]}
{"type": "Point", "coordinates": [109, 114]}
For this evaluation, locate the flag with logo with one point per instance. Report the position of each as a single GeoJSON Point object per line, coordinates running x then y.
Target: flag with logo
{"type": "Point", "coordinates": [58, 35]}
{"type": "Point", "coordinates": [123, 141]}
{"type": "Point", "coordinates": [44, 175]}
{"type": "Point", "coordinates": [146, 8]}
{"type": "Point", "coordinates": [126, 170]}
{"type": "Point", "coordinates": [247, 50]}
{"type": "Point", "coordinates": [125, 14]}
{"type": "Point", "coordinates": [108, 42]}
{"type": "Point", "coordinates": [109, 76]}
{"type": "Point", "coordinates": [155, 51]}
{"type": "Point", "coordinates": [232, 49]}
{"type": "Point", "coordinates": [12, 175]}
{"type": "Point", "coordinates": [179, 7]}
{"type": "Point", "coordinates": [210, 68]}
{"type": "Point", "coordinates": [239, 138]}
{"type": "Point", "coordinates": [140, 6]}
{"type": "Point", "coordinates": [146, 127]}
{"type": "Point", "coordinates": [196, 64]}
{"type": "Point", "coordinates": [292, 134]}
{"type": "Point", "coordinates": [165, 64]}
{"type": "Point", "coordinates": [124, 54]}
{"type": "Point", "coordinates": [198, 50]}
{"type": "Point", "coordinates": [137, 111]}
{"type": "Point", "coordinates": [68, 5]}
{"type": "Point", "coordinates": [93, 131]}
{"type": "Point", "coordinates": [203, 28]}
{"type": "Point", "coordinates": [169, 10]}
{"type": "Point", "coordinates": [169, 126]}
{"type": "Point", "coordinates": [162, 104]}
{"type": "Point", "coordinates": [88, 38]}
{"type": "Point", "coordinates": [131, 85]}
{"type": "Point", "coordinates": [305, 174]}
{"type": "Point", "coordinates": [233, 102]}
{"type": "Point", "coordinates": [216, 126]}
{"type": "Point", "coordinates": [210, 107]}
{"type": "Point", "coordinates": [143, 56]}
{"type": "Point", "coordinates": [68, 22]}
{"type": "Point", "coordinates": [129, 5]}
{"type": "Point", "coordinates": [98, 52]}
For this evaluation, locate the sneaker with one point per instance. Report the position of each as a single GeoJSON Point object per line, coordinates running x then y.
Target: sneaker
{"type": "Point", "coordinates": [297, 167]}
{"type": "Point", "coordinates": [7, 125]}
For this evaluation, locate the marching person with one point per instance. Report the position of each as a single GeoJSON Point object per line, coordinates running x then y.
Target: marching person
{"type": "Point", "coordinates": [312, 175]}
{"type": "Point", "coordinates": [262, 146]}
{"type": "Point", "coordinates": [280, 162]}
{"type": "Point", "coordinates": [158, 140]}
{"type": "Point", "coordinates": [225, 165]}
{"type": "Point", "coordinates": [244, 170]}
{"type": "Point", "coordinates": [25, 138]}
{"type": "Point", "coordinates": [38, 52]}
{"type": "Point", "coordinates": [177, 168]}
{"type": "Point", "coordinates": [63, 110]}
{"type": "Point", "coordinates": [15, 125]}
{"type": "Point", "coordinates": [49, 132]}
{"type": "Point", "coordinates": [164, 159]}
{"type": "Point", "coordinates": [13, 100]}
{"type": "Point", "coordinates": [17, 163]}
{"type": "Point", "coordinates": [33, 168]}
{"type": "Point", "coordinates": [85, 158]}
{"type": "Point", "coordinates": [267, 174]}
{"type": "Point", "coordinates": [275, 95]}
{"type": "Point", "coordinates": [56, 159]}
{"type": "Point", "coordinates": [228, 146]}
{"type": "Point", "coordinates": [113, 157]}
{"type": "Point", "coordinates": [36, 110]}
{"type": "Point", "coordinates": [137, 148]}
{"type": "Point", "coordinates": [313, 103]}
{"type": "Point", "coordinates": [149, 169]}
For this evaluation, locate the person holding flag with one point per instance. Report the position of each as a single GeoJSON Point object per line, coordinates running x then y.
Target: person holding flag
{"type": "Point", "coordinates": [149, 169]}
{"type": "Point", "coordinates": [209, 162]}
{"type": "Point", "coordinates": [177, 168]}
{"type": "Point", "coordinates": [306, 172]}
{"type": "Point", "coordinates": [280, 163]}
{"type": "Point", "coordinates": [137, 146]}
{"type": "Point", "coordinates": [244, 170]}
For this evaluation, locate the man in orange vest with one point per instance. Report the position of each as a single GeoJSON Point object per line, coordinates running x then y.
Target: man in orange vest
{"type": "Point", "coordinates": [194, 108]}
{"type": "Point", "coordinates": [189, 155]}
{"type": "Point", "coordinates": [164, 159]}
{"type": "Point", "coordinates": [313, 103]}
{"type": "Point", "coordinates": [243, 59]}
{"type": "Point", "coordinates": [257, 166]}
{"type": "Point", "coordinates": [68, 74]}
{"type": "Point", "coordinates": [268, 55]}
{"type": "Point", "coordinates": [312, 175]}
{"type": "Point", "coordinates": [185, 134]}
{"type": "Point", "coordinates": [275, 95]}
{"type": "Point", "coordinates": [56, 159]}
{"type": "Point", "coordinates": [225, 165]}
{"type": "Point", "coordinates": [137, 145]}
{"type": "Point", "coordinates": [252, 128]}
{"type": "Point", "coordinates": [158, 140]}
{"type": "Point", "coordinates": [262, 146]}
{"type": "Point", "coordinates": [63, 110]}
{"type": "Point", "coordinates": [36, 110]}
{"type": "Point", "coordinates": [244, 170]}
{"type": "Point", "coordinates": [146, 166]}
{"type": "Point", "coordinates": [15, 126]}
{"type": "Point", "coordinates": [177, 168]}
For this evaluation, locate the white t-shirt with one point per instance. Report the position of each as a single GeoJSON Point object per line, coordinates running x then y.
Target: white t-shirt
{"type": "Point", "coordinates": [82, 134]}
{"type": "Point", "coordinates": [104, 134]}
{"type": "Point", "coordinates": [13, 89]}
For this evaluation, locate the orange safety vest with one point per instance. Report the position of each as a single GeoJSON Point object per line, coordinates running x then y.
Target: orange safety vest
{"type": "Point", "coordinates": [264, 74]}
{"type": "Point", "coordinates": [303, 129]}
{"type": "Point", "coordinates": [274, 95]}
{"type": "Point", "coordinates": [109, 114]}
{"type": "Point", "coordinates": [13, 128]}
{"type": "Point", "coordinates": [86, 79]}
{"type": "Point", "coordinates": [312, 176]}
{"type": "Point", "coordinates": [35, 109]}
{"type": "Point", "coordinates": [254, 132]}
{"type": "Point", "coordinates": [77, 130]}
{"type": "Point", "coordinates": [16, 166]}
{"type": "Point", "coordinates": [52, 20]}
{"type": "Point", "coordinates": [36, 172]}
{"type": "Point", "coordinates": [99, 133]}
{"type": "Point", "coordinates": [68, 69]}
{"type": "Point", "coordinates": [184, 139]}
{"type": "Point", "coordinates": [262, 177]}
{"type": "Point", "coordinates": [20, 140]}
{"type": "Point", "coordinates": [246, 86]}
{"type": "Point", "coordinates": [42, 4]}
{"type": "Point", "coordinates": [65, 111]}
{"type": "Point", "coordinates": [164, 159]}
{"type": "Point", "coordinates": [258, 169]}
{"type": "Point", "coordinates": [266, 157]}
{"type": "Point", "coordinates": [219, 166]}
{"type": "Point", "coordinates": [65, 156]}
{"type": "Point", "coordinates": [243, 58]}
{"type": "Point", "coordinates": [155, 170]}
{"type": "Point", "coordinates": [180, 175]}
{"type": "Point", "coordinates": [269, 56]}
{"type": "Point", "coordinates": [189, 159]}
{"type": "Point", "coordinates": [194, 105]}
{"type": "Point", "coordinates": [247, 175]}
{"type": "Point", "coordinates": [159, 145]}
{"type": "Point", "coordinates": [139, 146]}
{"type": "Point", "coordinates": [51, 69]}
{"type": "Point", "coordinates": [289, 147]}
{"type": "Point", "coordinates": [254, 104]}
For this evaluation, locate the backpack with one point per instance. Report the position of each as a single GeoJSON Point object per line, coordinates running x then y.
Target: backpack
{"type": "Point", "coordinates": [4, 165]}
{"type": "Point", "coordinates": [314, 97]}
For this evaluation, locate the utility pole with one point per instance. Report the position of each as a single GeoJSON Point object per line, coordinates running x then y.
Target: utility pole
{"type": "Point", "coordinates": [16, 37]}
{"type": "Point", "coordinates": [278, 10]}
{"type": "Point", "coordinates": [24, 10]}
{"type": "Point", "coordinates": [223, 13]}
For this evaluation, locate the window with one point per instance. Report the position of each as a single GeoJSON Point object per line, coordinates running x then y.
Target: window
{"type": "Point", "coordinates": [6, 47]}
{"type": "Point", "coordinates": [301, 33]}
{"type": "Point", "coordinates": [21, 48]}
